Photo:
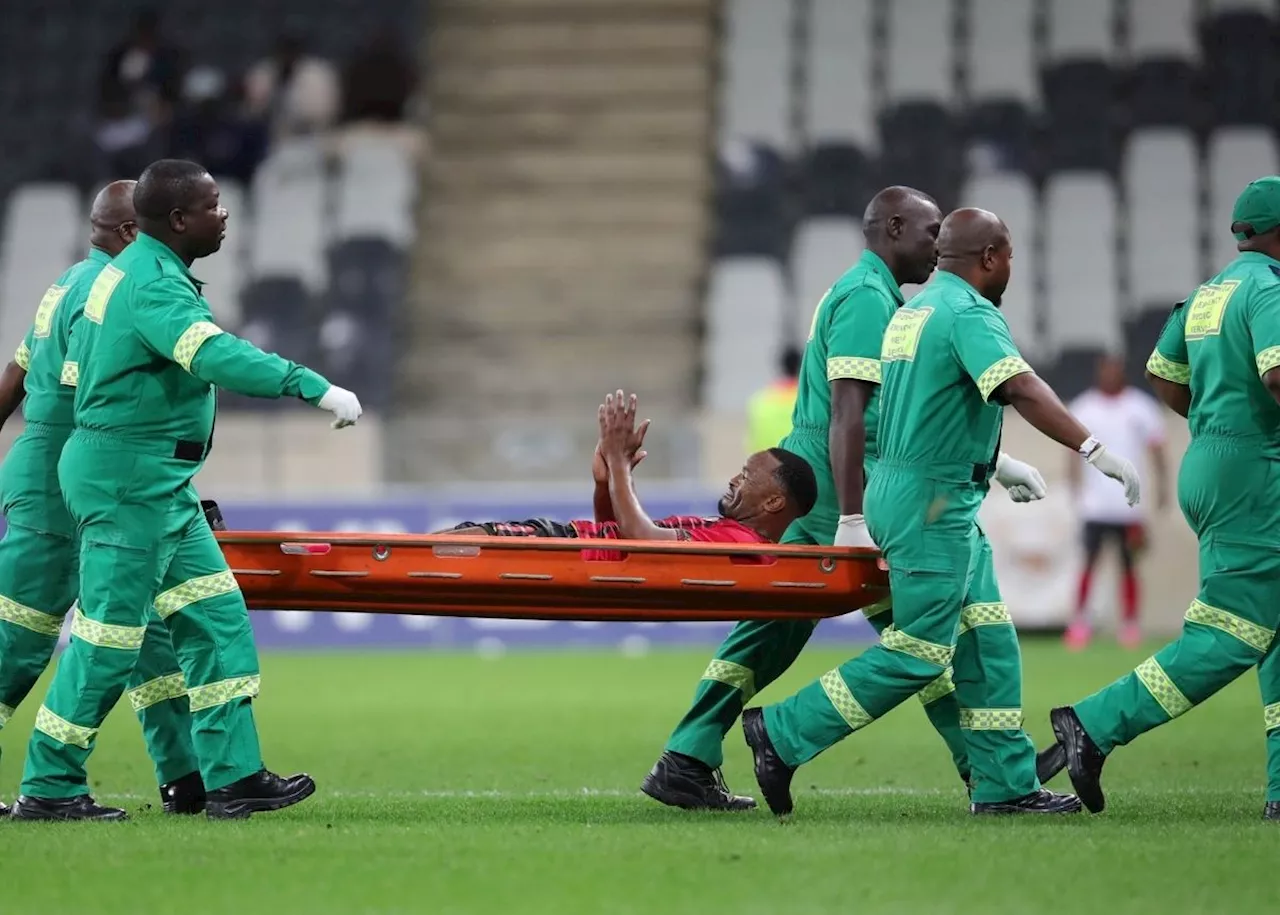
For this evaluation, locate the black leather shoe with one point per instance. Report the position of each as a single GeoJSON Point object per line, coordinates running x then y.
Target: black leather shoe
{"type": "Point", "coordinates": [1271, 811]}
{"type": "Point", "coordinates": [773, 775]}
{"type": "Point", "coordinates": [257, 793]}
{"type": "Point", "coordinates": [1084, 759]}
{"type": "Point", "coordinates": [1050, 761]}
{"type": "Point", "coordinates": [1042, 801]}
{"type": "Point", "coordinates": [82, 807]}
{"type": "Point", "coordinates": [183, 796]}
{"type": "Point", "coordinates": [690, 784]}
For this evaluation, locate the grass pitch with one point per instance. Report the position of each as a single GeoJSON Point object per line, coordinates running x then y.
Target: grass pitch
{"type": "Point", "coordinates": [455, 784]}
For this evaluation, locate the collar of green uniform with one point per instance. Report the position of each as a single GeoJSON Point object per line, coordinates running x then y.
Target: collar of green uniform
{"type": "Point", "coordinates": [166, 254]}
{"type": "Point", "coordinates": [944, 277]}
{"type": "Point", "coordinates": [871, 259]}
{"type": "Point", "coordinates": [1258, 256]}
{"type": "Point", "coordinates": [98, 256]}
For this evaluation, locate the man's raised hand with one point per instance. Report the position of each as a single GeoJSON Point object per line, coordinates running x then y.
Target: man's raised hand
{"type": "Point", "coordinates": [620, 437]}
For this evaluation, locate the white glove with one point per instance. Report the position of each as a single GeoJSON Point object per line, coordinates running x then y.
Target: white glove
{"type": "Point", "coordinates": [852, 531]}
{"type": "Point", "coordinates": [1118, 468]}
{"type": "Point", "coordinates": [342, 404]}
{"type": "Point", "coordinates": [1021, 479]}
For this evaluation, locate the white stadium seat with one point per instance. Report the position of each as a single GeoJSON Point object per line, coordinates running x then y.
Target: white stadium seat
{"type": "Point", "coordinates": [1011, 197]}
{"type": "Point", "coordinates": [1163, 28]}
{"type": "Point", "coordinates": [289, 237]}
{"type": "Point", "coordinates": [1080, 28]}
{"type": "Point", "coordinates": [921, 52]}
{"type": "Point", "coordinates": [838, 102]}
{"type": "Point", "coordinates": [745, 301]}
{"type": "Point", "coordinates": [824, 248]}
{"type": "Point", "coordinates": [1081, 288]}
{"type": "Point", "coordinates": [1161, 187]}
{"type": "Point", "coordinates": [1001, 54]}
{"type": "Point", "coordinates": [376, 193]}
{"type": "Point", "coordinates": [223, 273]}
{"type": "Point", "coordinates": [1236, 156]}
{"type": "Point", "coordinates": [756, 79]}
{"type": "Point", "coordinates": [45, 231]}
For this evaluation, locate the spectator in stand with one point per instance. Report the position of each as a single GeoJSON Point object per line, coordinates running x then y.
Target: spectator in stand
{"type": "Point", "coordinates": [294, 92]}
{"type": "Point", "coordinates": [144, 64]}
{"type": "Point", "coordinates": [769, 412]}
{"type": "Point", "coordinates": [210, 129]}
{"type": "Point", "coordinates": [378, 81]}
{"type": "Point", "coordinates": [124, 137]}
{"type": "Point", "coordinates": [1131, 421]}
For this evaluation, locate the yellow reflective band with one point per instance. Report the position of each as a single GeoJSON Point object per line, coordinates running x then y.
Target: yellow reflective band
{"type": "Point", "coordinates": [1251, 634]}
{"type": "Point", "coordinates": [1271, 716]}
{"type": "Point", "coordinates": [43, 324]}
{"type": "Point", "coordinates": [999, 373]}
{"type": "Point", "coordinates": [64, 731]}
{"type": "Point", "coordinates": [105, 635]}
{"type": "Point", "coordinates": [1165, 368]}
{"type": "Point", "coordinates": [22, 358]}
{"type": "Point", "coordinates": [1162, 689]}
{"type": "Point", "coordinates": [95, 306]}
{"type": "Point", "coordinates": [991, 614]}
{"type": "Point", "coordinates": [730, 674]}
{"type": "Point", "coordinates": [70, 375]}
{"type": "Point", "coordinates": [943, 686]}
{"type": "Point", "coordinates": [170, 602]}
{"type": "Point", "coordinates": [191, 340]}
{"type": "Point", "coordinates": [161, 689]}
{"type": "Point", "coordinates": [222, 692]}
{"type": "Point", "coordinates": [990, 719]}
{"type": "Point", "coordinates": [878, 607]}
{"type": "Point", "coordinates": [42, 623]}
{"type": "Point", "coordinates": [853, 367]}
{"type": "Point", "coordinates": [6, 712]}
{"type": "Point", "coordinates": [842, 699]}
{"type": "Point", "coordinates": [1268, 359]}
{"type": "Point", "coordinates": [896, 640]}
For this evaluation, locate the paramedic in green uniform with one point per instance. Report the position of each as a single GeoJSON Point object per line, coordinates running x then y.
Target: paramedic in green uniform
{"type": "Point", "coordinates": [1217, 363]}
{"type": "Point", "coordinates": [39, 556]}
{"type": "Point", "coordinates": [145, 357]}
{"type": "Point", "coordinates": [948, 363]}
{"type": "Point", "coordinates": [834, 428]}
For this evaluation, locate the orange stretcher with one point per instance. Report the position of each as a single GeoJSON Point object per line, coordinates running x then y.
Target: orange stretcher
{"type": "Point", "coordinates": [547, 578]}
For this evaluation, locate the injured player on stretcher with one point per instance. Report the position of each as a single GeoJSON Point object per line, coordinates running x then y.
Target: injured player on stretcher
{"type": "Point", "coordinates": [773, 489]}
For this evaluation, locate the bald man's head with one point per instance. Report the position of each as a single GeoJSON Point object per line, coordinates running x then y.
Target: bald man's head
{"type": "Point", "coordinates": [901, 226]}
{"type": "Point", "coordinates": [113, 223]}
{"type": "Point", "coordinates": [974, 245]}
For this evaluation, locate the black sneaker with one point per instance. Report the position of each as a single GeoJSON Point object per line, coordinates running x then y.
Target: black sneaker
{"type": "Point", "coordinates": [183, 796]}
{"type": "Point", "coordinates": [1271, 811]}
{"type": "Point", "coordinates": [258, 793]}
{"type": "Point", "coordinates": [1084, 759]}
{"type": "Point", "coordinates": [690, 784]}
{"type": "Point", "coordinates": [773, 775]}
{"type": "Point", "coordinates": [82, 807]}
{"type": "Point", "coordinates": [1050, 761]}
{"type": "Point", "coordinates": [1042, 801]}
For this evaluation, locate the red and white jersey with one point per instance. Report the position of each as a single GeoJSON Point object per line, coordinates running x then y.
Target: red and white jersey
{"type": "Point", "coordinates": [1129, 423]}
{"type": "Point", "coordinates": [691, 527]}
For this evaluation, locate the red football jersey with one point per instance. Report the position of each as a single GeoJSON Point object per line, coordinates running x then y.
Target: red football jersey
{"type": "Point", "coordinates": [691, 527]}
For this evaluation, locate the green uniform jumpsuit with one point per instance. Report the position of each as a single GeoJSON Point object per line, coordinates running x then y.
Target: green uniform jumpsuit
{"type": "Point", "coordinates": [39, 554]}
{"type": "Point", "coordinates": [1219, 343]}
{"type": "Point", "coordinates": [943, 355]}
{"type": "Point", "coordinates": [146, 356]}
{"type": "Point", "coordinates": [844, 342]}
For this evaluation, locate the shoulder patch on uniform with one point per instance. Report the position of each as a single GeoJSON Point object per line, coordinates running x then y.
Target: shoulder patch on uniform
{"type": "Point", "coordinates": [95, 306]}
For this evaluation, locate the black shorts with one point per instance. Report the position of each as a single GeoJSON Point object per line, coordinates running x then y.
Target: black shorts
{"type": "Point", "coordinates": [1096, 535]}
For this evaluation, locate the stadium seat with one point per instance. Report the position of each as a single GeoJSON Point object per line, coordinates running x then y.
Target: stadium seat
{"type": "Point", "coordinates": [223, 273]}
{"type": "Point", "coordinates": [1161, 186]}
{"type": "Point", "coordinates": [1079, 98]}
{"type": "Point", "coordinates": [1080, 29]}
{"type": "Point", "coordinates": [824, 248]}
{"type": "Point", "coordinates": [836, 180]}
{"type": "Point", "coordinates": [1001, 54]}
{"type": "Point", "coordinates": [751, 186]}
{"type": "Point", "coordinates": [921, 53]}
{"type": "Point", "coordinates": [376, 193]}
{"type": "Point", "coordinates": [1165, 91]}
{"type": "Point", "coordinates": [1236, 156]}
{"type": "Point", "coordinates": [999, 136]}
{"type": "Point", "coordinates": [756, 56]}
{"type": "Point", "coordinates": [1222, 6]}
{"type": "Point", "coordinates": [1141, 331]}
{"type": "Point", "coordinates": [921, 149]}
{"type": "Point", "coordinates": [278, 315]}
{"type": "Point", "coordinates": [44, 232]}
{"type": "Point", "coordinates": [838, 102]}
{"type": "Point", "coordinates": [290, 226]}
{"type": "Point", "coordinates": [1081, 286]}
{"type": "Point", "coordinates": [1162, 29]}
{"type": "Point", "coordinates": [1239, 52]}
{"type": "Point", "coordinates": [367, 276]}
{"type": "Point", "coordinates": [744, 321]}
{"type": "Point", "coordinates": [1013, 199]}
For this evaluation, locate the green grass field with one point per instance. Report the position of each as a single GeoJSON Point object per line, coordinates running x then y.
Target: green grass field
{"type": "Point", "coordinates": [452, 784]}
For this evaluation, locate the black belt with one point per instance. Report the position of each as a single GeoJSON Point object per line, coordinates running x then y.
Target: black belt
{"type": "Point", "coordinates": [190, 451]}
{"type": "Point", "coordinates": [981, 472]}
